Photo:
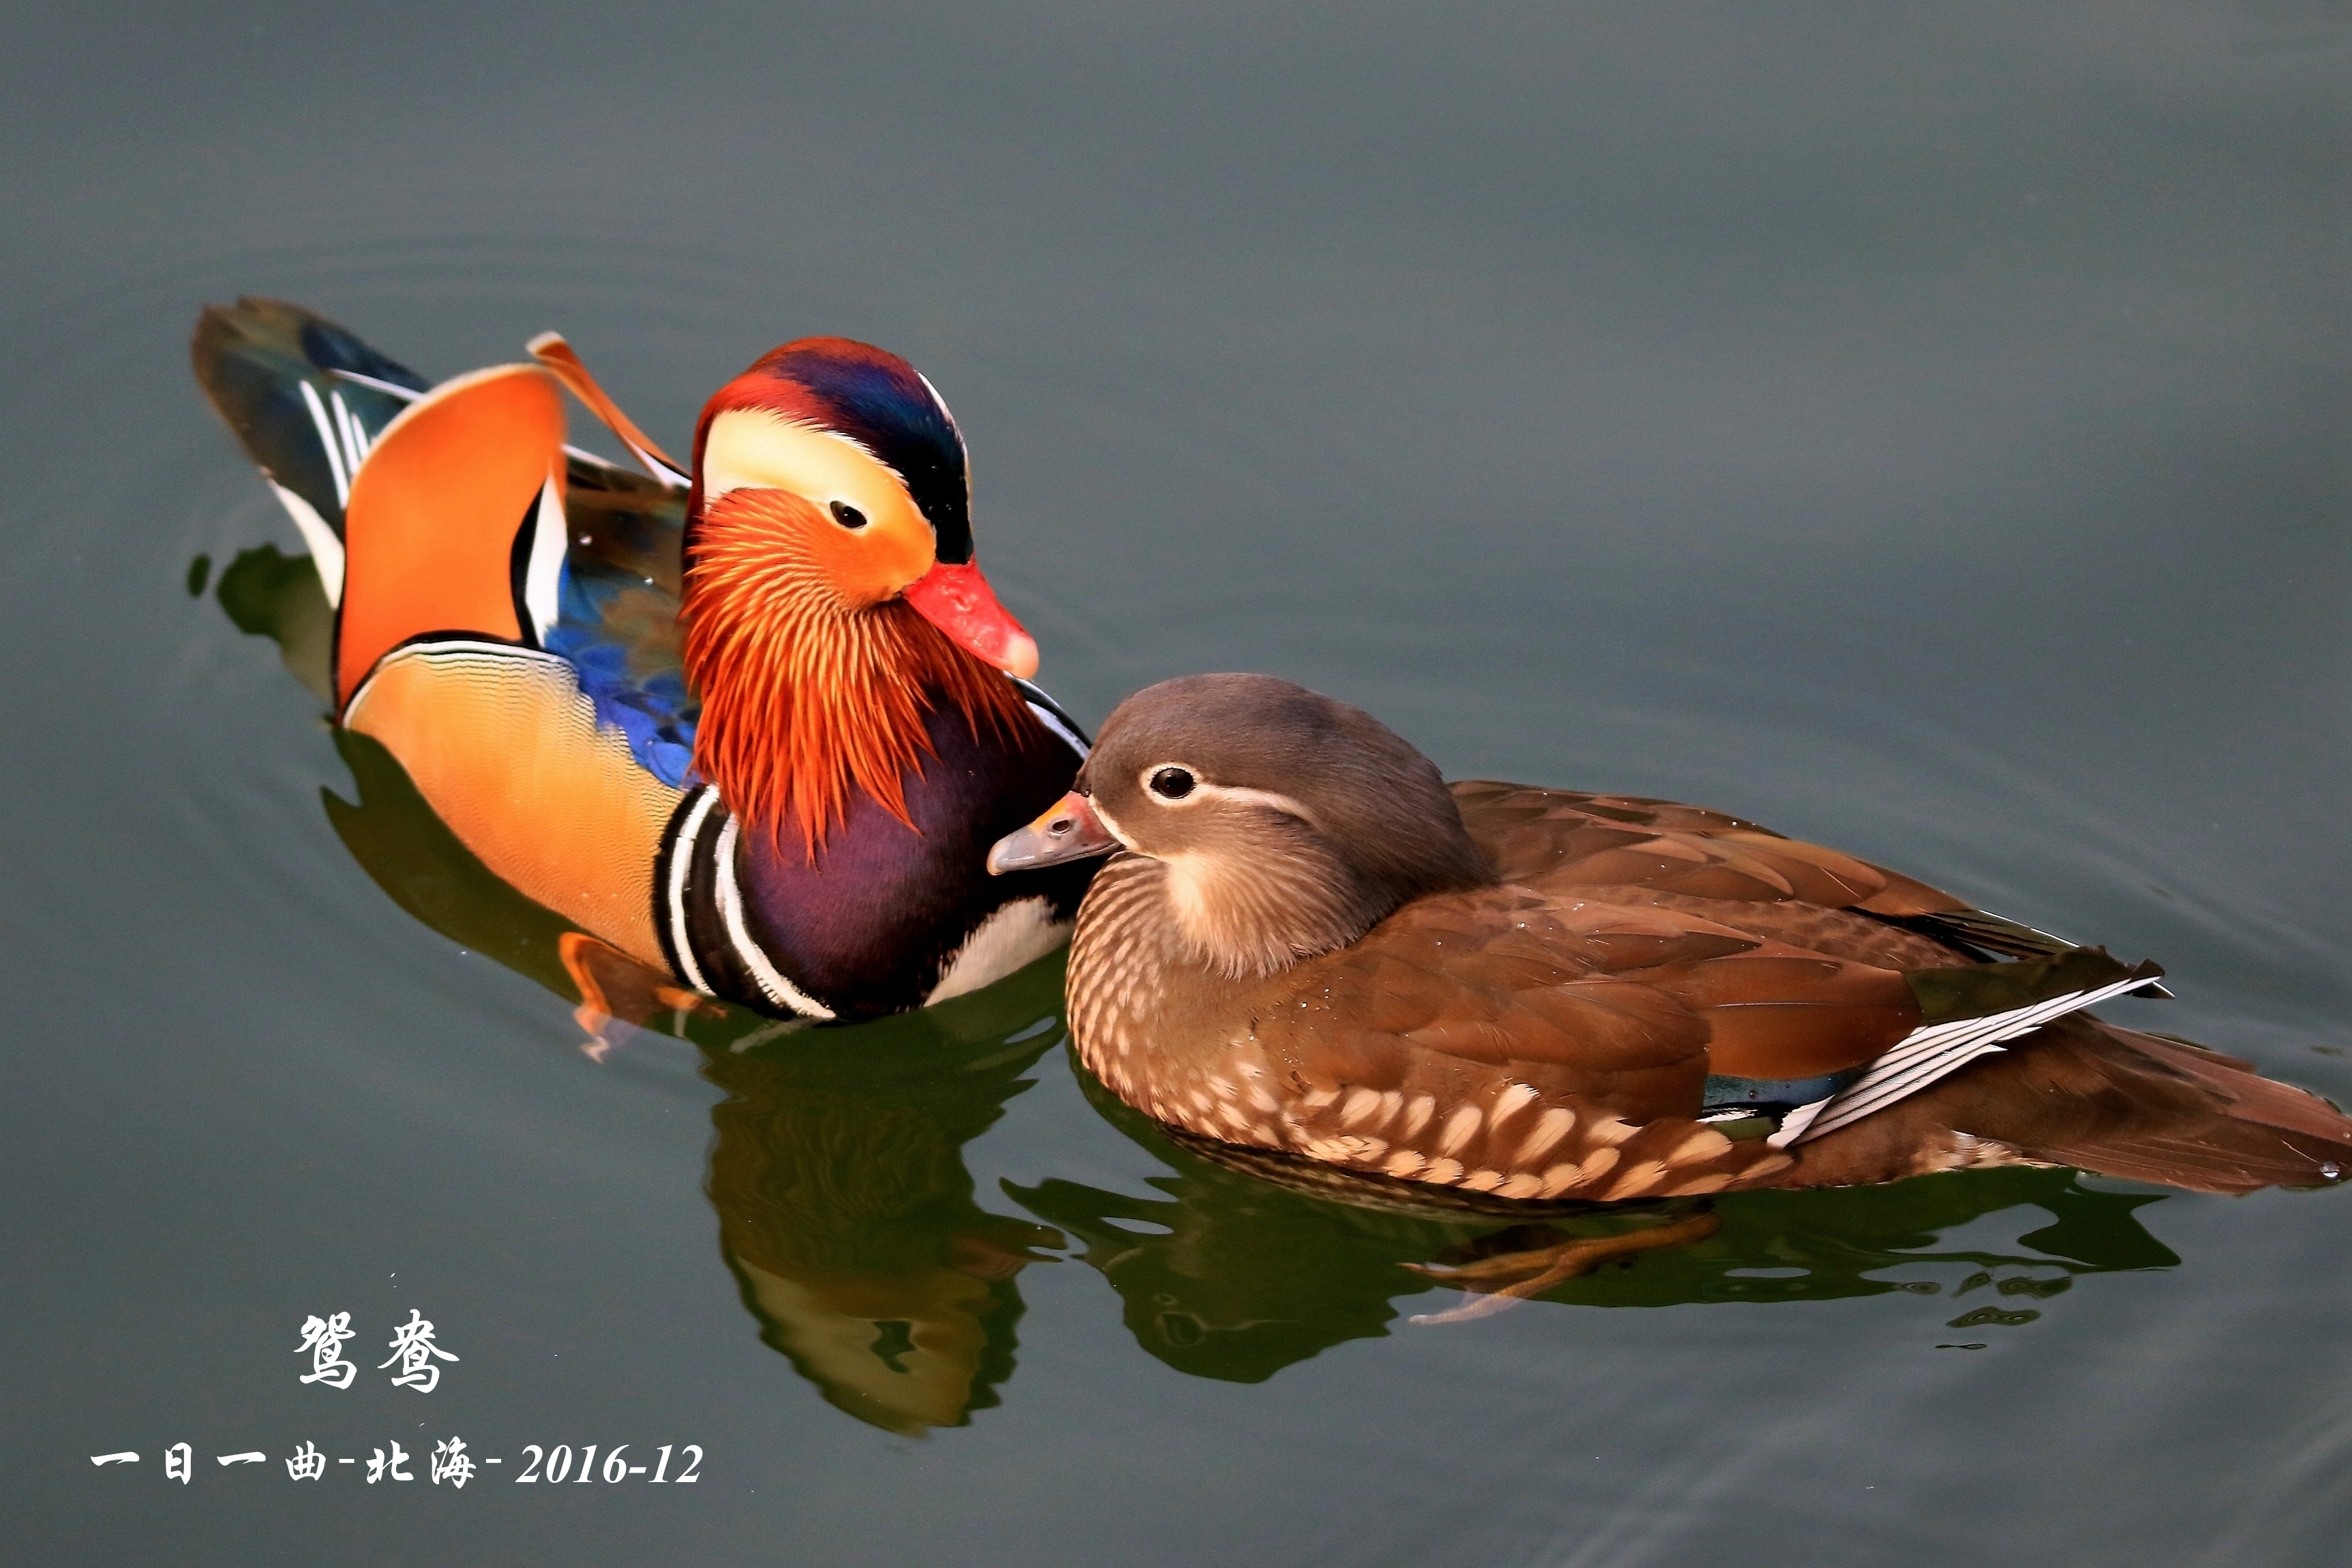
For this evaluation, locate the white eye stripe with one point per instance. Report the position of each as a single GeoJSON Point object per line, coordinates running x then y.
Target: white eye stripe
{"type": "Point", "coordinates": [1264, 797]}
{"type": "Point", "coordinates": [1203, 790]}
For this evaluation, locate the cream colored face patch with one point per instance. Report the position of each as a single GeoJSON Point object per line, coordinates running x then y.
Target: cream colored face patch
{"type": "Point", "coordinates": [755, 448]}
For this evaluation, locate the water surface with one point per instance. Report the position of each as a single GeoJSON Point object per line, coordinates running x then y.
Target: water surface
{"type": "Point", "coordinates": [1918, 429]}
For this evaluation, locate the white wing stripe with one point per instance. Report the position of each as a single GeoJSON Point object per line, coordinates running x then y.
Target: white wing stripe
{"type": "Point", "coordinates": [543, 572]}
{"type": "Point", "coordinates": [405, 393]}
{"type": "Point", "coordinates": [326, 550]}
{"type": "Point", "coordinates": [348, 429]}
{"type": "Point", "coordinates": [1928, 1055]}
{"type": "Point", "coordinates": [1960, 1032]}
{"type": "Point", "coordinates": [328, 442]}
{"type": "Point", "coordinates": [1794, 1125]}
{"type": "Point", "coordinates": [1883, 1093]}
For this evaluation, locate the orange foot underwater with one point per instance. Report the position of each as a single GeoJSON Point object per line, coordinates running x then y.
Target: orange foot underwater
{"type": "Point", "coordinates": [1502, 1281]}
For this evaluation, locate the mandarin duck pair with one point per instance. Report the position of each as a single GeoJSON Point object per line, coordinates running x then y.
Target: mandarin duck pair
{"type": "Point", "coordinates": [753, 726]}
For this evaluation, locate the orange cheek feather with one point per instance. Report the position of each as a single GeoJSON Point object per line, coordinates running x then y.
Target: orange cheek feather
{"type": "Point", "coordinates": [813, 680]}
{"type": "Point", "coordinates": [866, 566]}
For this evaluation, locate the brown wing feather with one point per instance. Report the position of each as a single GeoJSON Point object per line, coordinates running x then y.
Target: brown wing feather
{"type": "Point", "coordinates": [1566, 839]}
{"type": "Point", "coordinates": [1839, 933]}
{"type": "Point", "coordinates": [1509, 1042]}
{"type": "Point", "coordinates": [1778, 1012]}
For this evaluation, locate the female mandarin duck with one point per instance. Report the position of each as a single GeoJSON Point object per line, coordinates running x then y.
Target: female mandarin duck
{"type": "Point", "coordinates": [1310, 944]}
{"type": "Point", "coordinates": [752, 723]}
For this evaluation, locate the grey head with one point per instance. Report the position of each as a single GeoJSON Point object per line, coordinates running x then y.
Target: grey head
{"type": "Point", "coordinates": [1288, 823]}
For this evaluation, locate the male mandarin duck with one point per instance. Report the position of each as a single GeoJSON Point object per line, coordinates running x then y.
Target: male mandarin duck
{"type": "Point", "coordinates": [752, 723]}
{"type": "Point", "coordinates": [1307, 943]}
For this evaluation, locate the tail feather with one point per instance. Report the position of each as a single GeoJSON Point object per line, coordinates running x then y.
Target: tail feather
{"type": "Point", "coordinates": [583, 560]}
{"type": "Point", "coordinates": [307, 399]}
{"type": "Point", "coordinates": [2078, 1092]}
{"type": "Point", "coordinates": [2202, 1121]}
{"type": "Point", "coordinates": [2123, 1103]}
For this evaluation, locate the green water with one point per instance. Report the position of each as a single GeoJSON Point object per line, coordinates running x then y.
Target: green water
{"type": "Point", "coordinates": [1919, 430]}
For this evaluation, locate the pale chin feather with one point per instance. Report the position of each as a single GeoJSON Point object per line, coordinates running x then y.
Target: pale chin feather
{"type": "Point", "coordinates": [1269, 915]}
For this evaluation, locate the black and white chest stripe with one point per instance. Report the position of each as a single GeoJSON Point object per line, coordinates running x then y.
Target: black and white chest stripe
{"type": "Point", "coordinates": [699, 907]}
{"type": "Point", "coordinates": [698, 911]}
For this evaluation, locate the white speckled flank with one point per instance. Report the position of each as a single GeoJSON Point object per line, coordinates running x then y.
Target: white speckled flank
{"type": "Point", "coordinates": [1508, 1104]}
{"type": "Point", "coordinates": [1550, 1126]}
{"type": "Point", "coordinates": [1560, 1178]}
{"type": "Point", "coordinates": [1638, 1179]}
{"type": "Point", "coordinates": [1458, 1127]}
{"type": "Point", "coordinates": [1704, 1145]}
{"type": "Point", "coordinates": [1417, 1116]}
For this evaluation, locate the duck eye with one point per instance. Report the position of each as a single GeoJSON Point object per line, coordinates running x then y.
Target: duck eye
{"type": "Point", "coordinates": [1171, 783]}
{"type": "Point", "coordinates": [847, 515]}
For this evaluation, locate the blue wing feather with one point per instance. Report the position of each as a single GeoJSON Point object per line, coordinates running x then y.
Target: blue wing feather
{"type": "Point", "coordinates": [616, 613]}
{"type": "Point", "coordinates": [283, 378]}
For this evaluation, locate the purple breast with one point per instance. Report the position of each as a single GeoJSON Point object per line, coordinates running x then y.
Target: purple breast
{"type": "Point", "coordinates": [867, 922]}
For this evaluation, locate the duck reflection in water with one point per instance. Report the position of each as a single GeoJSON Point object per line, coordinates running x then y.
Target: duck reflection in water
{"type": "Point", "coordinates": [847, 1213]}
{"type": "Point", "coordinates": [1251, 1263]}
